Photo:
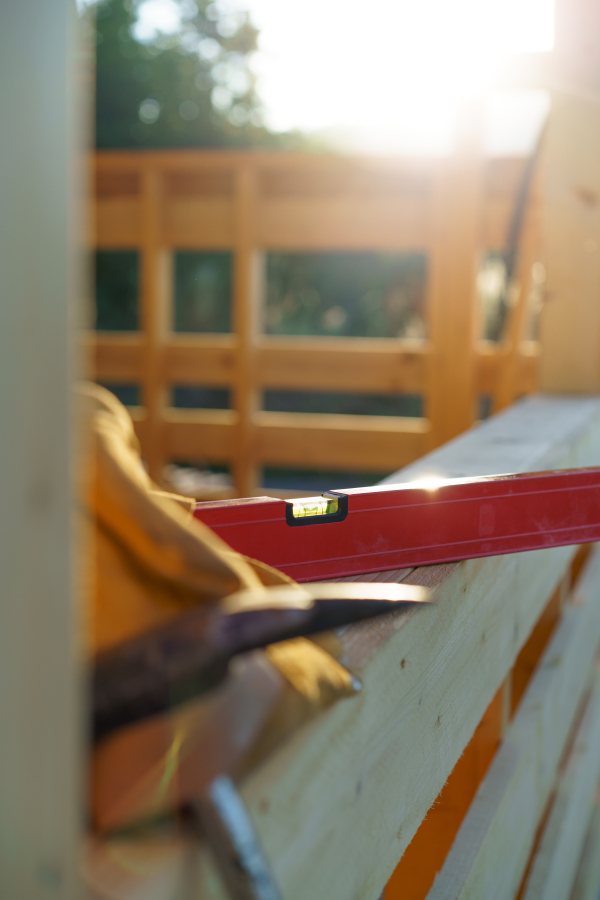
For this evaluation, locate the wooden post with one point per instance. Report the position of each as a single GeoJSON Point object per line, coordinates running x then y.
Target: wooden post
{"type": "Point", "coordinates": [155, 303]}
{"type": "Point", "coordinates": [40, 644]}
{"type": "Point", "coordinates": [246, 311]}
{"type": "Point", "coordinates": [451, 401]}
{"type": "Point", "coordinates": [570, 320]}
{"type": "Point", "coordinates": [507, 389]}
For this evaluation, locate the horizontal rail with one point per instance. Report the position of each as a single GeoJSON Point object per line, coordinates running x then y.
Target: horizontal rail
{"type": "Point", "coordinates": [193, 435]}
{"type": "Point", "coordinates": [344, 364]}
{"type": "Point", "coordinates": [207, 223]}
{"type": "Point", "coordinates": [360, 365]}
{"type": "Point", "coordinates": [372, 443]}
{"type": "Point", "coordinates": [209, 360]}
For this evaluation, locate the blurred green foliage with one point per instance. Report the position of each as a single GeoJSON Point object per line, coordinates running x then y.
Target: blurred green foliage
{"type": "Point", "coordinates": [368, 294]}
{"type": "Point", "coordinates": [203, 291]}
{"type": "Point", "coordinates": [117, 290]}
{"type": "Point", "coordinates": [193, 88]}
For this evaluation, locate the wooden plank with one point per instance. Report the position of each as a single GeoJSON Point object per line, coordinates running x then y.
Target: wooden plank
{"type": "Point", "coordinates": [525, 437]}
{"type": "Point", "coordinates": [337, 805]}
{"type": "Point", "coordinates": [247, 291]}
{"type": "Point", "coordinates": [508, 385]}
{"type": "Point", "coordinates": [554, 867]}
{"type": "Point", "coordinates": [522, 775]}
{"type": "Point", "coordinates": [118, 223]}
{"type": "Point", "coordinates": [424, 856]}
{"type": "Point", "coordinates": [364, 197]}
{"type": "Point", "coordinates": [291, 176]}
{"type": "Point", "coordinates": [203, 223]}
{"type": "Point", "coordinates": [344, 223]}
{"type": "Point", "coordinates": [195, 436]}
{"type": "Point", "coordinates": [155, 305]}
{"type": "Point", "coordinates": [192, 160]}
{"type": "Point", "coordinates": [570, 319]}
{"type": "Point", "coordinates": [116, 357]}
{"type": "Point", "coordinates": [344, 364]}
{"type": "Point", "coordinates": [587, 881]}
{"type": "Point", "coordinates": [363, 443]}
{"type": "Point", "coordinates": [528, 659]}
{"type": "Point", "coordinates": [453, 314]}
{"type": "Point", "coordinates": [201, 360]}
{"type": "Point", "coordinates": [41, 285]}
{"type": "Point", "coordinates": [490, 359]}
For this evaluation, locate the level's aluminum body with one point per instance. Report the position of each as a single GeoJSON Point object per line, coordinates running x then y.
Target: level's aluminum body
{"type": "Point", "coordinates": [419, 523]}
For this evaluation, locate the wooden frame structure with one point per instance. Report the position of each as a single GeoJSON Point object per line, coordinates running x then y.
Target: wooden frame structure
{"type": "Point", "coordinates": [453, 208]}
{"type": "Point", "coordinates": [473, 746]}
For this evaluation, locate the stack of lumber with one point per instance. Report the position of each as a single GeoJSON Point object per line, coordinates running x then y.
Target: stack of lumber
{"type": "Point", "coordinates": [500, 671]}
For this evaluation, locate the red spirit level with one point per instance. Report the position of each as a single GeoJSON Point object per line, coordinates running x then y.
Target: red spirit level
{"type": "Point", "coordinates": [419, 523]}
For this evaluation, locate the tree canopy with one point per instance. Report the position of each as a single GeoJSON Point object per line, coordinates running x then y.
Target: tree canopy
{"type": "Point", "coordinates": [194, 88]}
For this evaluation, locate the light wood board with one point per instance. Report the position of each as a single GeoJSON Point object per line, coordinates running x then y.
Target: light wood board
{"type": "Point", "coordinates": [491, 850]}
{"type": "Point", "coordinates": [339, 803]}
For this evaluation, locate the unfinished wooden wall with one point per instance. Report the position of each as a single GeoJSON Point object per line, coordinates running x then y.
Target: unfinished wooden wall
{"type": "Point", "coordinates": [453, 209]}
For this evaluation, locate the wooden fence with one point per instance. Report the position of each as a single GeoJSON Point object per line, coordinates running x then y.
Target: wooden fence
{"type": "Point", "coordinates": [452, 208]}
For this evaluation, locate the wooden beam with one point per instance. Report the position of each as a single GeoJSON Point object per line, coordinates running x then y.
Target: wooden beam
{"type": "Point", "coordinates": [570, 319]}
{"type": "Point", "coordinates": [424, 856]}
{"type": "Point", "coordinates": [247, 291]}
{"type": "Point", "coordinates": [289, 223]}
{"type": "Point", "coordinates": [528, 659]}
{"type": "Point", "coordinates": [344, 364]}
{"type": "Point", "coordinates": [156, 299]}
{"type": "Point", "coordinates": [200, 360]}
{"type": "Point", "coordinates": [303, 202]}
{"type": "Point", "coordinates": [555, 863]}
{"type": "Point", "coordinates": [452, 307]}
{"type": "Point", "coordinates": [199, 223]}
{"type": "Point", "coordinates": [523, 773]}
{"type": "Point", "coordinates": [337, 805]}
{"type": "Point", "coordinates": [490, 359]}
{"type": "Point", "coordinates": [334, 223]}
{"type": "Point", "coordinates": [118, 223]}
{"type": "Point", "coordinates": [194, 436]}
{"type": "Point", "coordinates": [360, 365]}
{"type": "Point", "coordinates": [362, 443]}
{"type": "Point", "coordinates": [117, 357]}
{"type": "Point", "coordinates": [509, 381]}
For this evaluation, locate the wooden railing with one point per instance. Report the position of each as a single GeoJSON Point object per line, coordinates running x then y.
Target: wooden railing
{"type": "Point", "coordinates": [452, 209]}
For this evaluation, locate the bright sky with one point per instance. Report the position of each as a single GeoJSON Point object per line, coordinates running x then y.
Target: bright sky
{"type": "Point", "coordinates": [387, 75]}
